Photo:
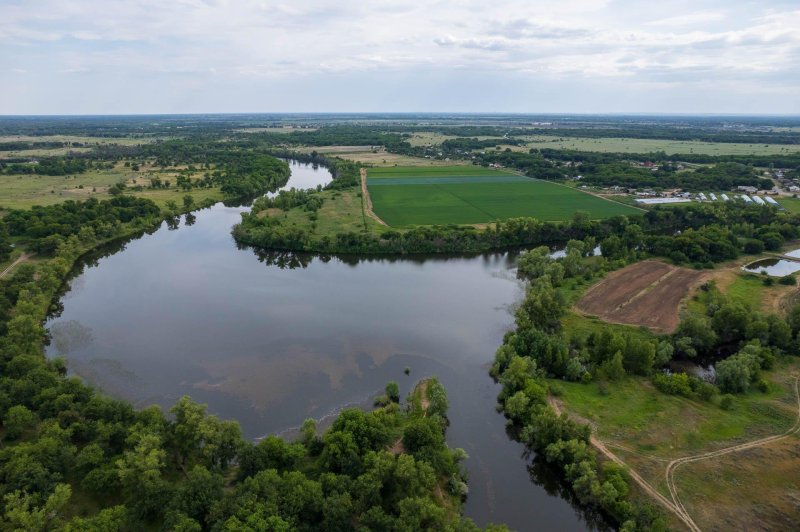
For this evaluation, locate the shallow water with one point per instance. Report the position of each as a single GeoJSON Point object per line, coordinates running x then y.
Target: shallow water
{"type": "Point", "coordinates": [274, 339]}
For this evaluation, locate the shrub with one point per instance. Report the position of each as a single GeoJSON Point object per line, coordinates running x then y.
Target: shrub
{"type": "Point", "coordinates": [788, 280]}
{"type": "Point", "coordinates": [673, 383]}
{"type": "Point", "coordinates": [726, 402]}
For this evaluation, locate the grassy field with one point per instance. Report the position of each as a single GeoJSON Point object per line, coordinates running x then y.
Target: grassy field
{"type": "Point", "coordinates": [792, 205]}
{"type": "Point", "coordinates": [627, 145]}
{"type": "Point", "coordinates": [768, 477]}
{"type": "Point", "coordinates": [404, 196]}
{"type": "Point", "coordinates": [124, 141]}
{"type": "Point", "coordinates": [24, 191]}
{"type": "Point", "coordinates": [341, 211]}
{"type": "Point", "coordinates": [647, 429]}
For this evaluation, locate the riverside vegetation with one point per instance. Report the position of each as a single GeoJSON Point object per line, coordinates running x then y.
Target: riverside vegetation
{"type": "Point", "coordinates": [75, 459]}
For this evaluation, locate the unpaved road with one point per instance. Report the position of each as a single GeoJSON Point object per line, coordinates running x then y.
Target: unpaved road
{"type": "Point", "coordinates": [673, 465]}
{"type": "Point", "coordinates": [21, 258]}
{"type": "Point", "coordinates": [367, 200]}
{"type": "Point", "coordinates": [675, 505]}
{"type": "Point", "coordinates": [650, 490]}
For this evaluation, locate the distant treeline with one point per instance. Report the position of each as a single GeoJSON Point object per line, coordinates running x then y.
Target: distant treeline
{"type": "Point", "coordinates": [696, 234]}
{"type": "Point", "coordinates": [617, 170]}
{"type": "Point", "coordinates": [31, 145]}
{"type": "Point", "coordinates": [48, 166]}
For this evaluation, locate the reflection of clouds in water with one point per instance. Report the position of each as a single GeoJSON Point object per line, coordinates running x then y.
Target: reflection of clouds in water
{"type": "Point", "coordinates": [76, 286]}
{"type": "Point", "coordinates": [305, 371]}
{"type": "Point", "coordinates": [69, 336]}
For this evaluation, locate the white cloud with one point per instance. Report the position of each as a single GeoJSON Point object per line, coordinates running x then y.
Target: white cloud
{"type": "Point", "coordinates": [276, 46]}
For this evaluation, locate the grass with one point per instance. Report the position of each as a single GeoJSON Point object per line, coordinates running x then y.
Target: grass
{"type": "Point", "coordinates": [436, 171]}
{"type": "Point", "coordinates": [634, 413]}
{"type": "Point", "coordinates": [747, 288]}
{"type": "Point", "coordinates": [25, 191]}
{"type": "Point", "coordinates": [792, 205]}
{"type": "Point", "coordinates": [125, 141]}
{"type": "Point", "coordinates": [341, 211]}
{"type": "Point", "coordinates": [647, 429]}
{"type": "Point", "coordinates": [428, 196]}
{"type": "Point", "coordinates": [712, 490]}
{"type": "Point", "coordinates": [630, 145]}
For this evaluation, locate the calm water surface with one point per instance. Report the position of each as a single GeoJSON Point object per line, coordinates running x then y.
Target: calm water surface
{"type": "Point", "coordinates": [271, 341]}
{"type": "Point", "coordinates": [774, 267]}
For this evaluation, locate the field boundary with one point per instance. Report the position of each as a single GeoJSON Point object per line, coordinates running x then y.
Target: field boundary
{"type": "Point", "coordinates": [366, 201]}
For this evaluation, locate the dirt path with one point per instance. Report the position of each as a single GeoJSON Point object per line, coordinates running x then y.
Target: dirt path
{"type": "Point", "coordinates": [673, 465]}
{"type": "Point", "coordinates": [650, 490]}
{"type": "Point", "coordinates": [20, 259]}
{"type": "Point", "coordinates": [675, 505]}
{"type": "Point", "coordinates": [367, 200]}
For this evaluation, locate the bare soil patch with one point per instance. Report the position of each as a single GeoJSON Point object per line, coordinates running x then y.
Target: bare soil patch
{"type": "Point", "coordinates": [647, 293]}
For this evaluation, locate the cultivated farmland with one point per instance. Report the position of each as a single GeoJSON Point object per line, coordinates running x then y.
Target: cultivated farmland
{"type": "Point", "coordinates": [404, 196]}
{"type": "Point", "coordinates": [647, 293]}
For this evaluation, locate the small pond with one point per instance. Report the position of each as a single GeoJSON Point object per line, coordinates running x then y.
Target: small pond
{"type": "Point", "coordinates": [774, 267]}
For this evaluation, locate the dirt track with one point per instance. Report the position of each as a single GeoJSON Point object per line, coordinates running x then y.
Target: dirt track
{"type": "Point", "coordinates": [673, 465]}
{"type": "Point", "coordinates": [675, 505]}
{"type": "Point", "coordinates": [367, 200]}
{"type": "Point", "coordinates": [11, 266]}
{"type": "Point", "coordinates": [647, 293]}
{"type": "Point", "coordinates": [650, 490]}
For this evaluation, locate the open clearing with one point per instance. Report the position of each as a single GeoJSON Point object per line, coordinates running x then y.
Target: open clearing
{"type": "Point", "coordinates": [738, 467]}
{"type": "Point", "coordinates": [647, 293]}
{"type": "Point", "coordinates": [630, 145]}
{"type": "Point", "coordinates": [404, 196]}
{"type": "Point", "coordinates": [711, 490]}
{"type": "Point", "coordinates": [26, 190]}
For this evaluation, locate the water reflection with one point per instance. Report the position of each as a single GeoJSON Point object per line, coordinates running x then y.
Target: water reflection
{"type": "Point", "coordinates": [775, 267]}
{"type": "Point", "coordinates": [288, 336]}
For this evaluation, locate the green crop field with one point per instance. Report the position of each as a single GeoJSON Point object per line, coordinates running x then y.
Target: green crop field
{"type": "Point", "coordinates": [474, 195]}
{"type": "Point", "coordinates": [436, 171]}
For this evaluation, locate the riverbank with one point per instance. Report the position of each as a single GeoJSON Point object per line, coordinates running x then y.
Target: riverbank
{"type": "Point", "coordinates": [137, 477]}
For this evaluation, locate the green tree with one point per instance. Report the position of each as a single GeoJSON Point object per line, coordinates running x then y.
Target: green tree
{"type": "Point", "coordinates": [393, 391]}
{"type": "Point", "coordinates": [17, 419]}
{"type": "Point", "coordinates": [22, 515]}
{"type": "Point", "coordinates": [542, 308]}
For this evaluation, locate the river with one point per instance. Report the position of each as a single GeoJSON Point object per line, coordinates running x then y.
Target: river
{"type": "Point", "coordinates": [270, 341]}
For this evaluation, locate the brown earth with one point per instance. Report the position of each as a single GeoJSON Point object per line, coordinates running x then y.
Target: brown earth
{"type": "Point", "coordinates": [647, 293]}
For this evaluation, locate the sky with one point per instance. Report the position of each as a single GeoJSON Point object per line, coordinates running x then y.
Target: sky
{"type": "Point", "coordinates": [528, 56]}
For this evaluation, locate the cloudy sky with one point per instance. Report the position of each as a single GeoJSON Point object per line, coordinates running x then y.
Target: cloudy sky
{"type": "Point", "coordinates": [583, 56]}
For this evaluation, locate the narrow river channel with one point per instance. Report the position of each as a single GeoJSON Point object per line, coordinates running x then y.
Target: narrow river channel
{"type": "Point", "coordinates": [271, 341]}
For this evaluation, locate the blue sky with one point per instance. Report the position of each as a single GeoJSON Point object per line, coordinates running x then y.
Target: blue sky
{"type": "Point", "coordinates": [583, 56]}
